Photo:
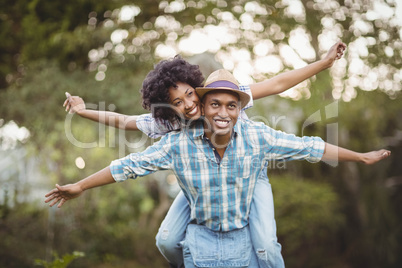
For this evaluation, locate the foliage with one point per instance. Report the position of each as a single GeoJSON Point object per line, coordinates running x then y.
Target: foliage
{"type": "Point", "coordinates": [104, 224]}
{"type": "Point", "coordinates": [37, 29]}
{"type": "Point", "coordinates": [58, 262]}
{"type": "Point", "coordinates": [308, 217]}
{"type": "Point", "coordinates": [23, 233]}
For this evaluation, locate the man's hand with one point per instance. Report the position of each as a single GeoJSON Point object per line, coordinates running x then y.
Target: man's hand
{"type": "Point", "coordinates": [62, 194]}
{"type": "Point", "coordinates": [336, 153]}
{"type": "Point", "coordinates": [375, 156]}
{"type": "Point", "coordinates": [74, 104]}
{"type": "Point", "coordinates": [335, 53]}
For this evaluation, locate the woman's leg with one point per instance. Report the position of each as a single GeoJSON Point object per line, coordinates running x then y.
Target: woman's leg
{"type": "Point", "coordinates": [172, 231]}
{"type": "Point", "coordinates": [263, 226]}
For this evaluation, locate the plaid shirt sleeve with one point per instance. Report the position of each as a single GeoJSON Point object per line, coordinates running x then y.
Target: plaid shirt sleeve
{"type": "Point", "coordinates": [154, 158]}
{"type": "Point", "coordinates": [246, 89]}
{"type": "Point", "coordinates": [153, 128]}
{"type": "Point", "coordinates": [287, 147]}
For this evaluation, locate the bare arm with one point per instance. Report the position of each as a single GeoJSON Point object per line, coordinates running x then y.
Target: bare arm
{"type": "Point", "coordinates": [284, 81]}
{"type": "Point", "coordinates": [335, 153]}
{"type": "Point", "coordinates": [61, 194]}
{"type": "Point", "coordinates": [75, 104]}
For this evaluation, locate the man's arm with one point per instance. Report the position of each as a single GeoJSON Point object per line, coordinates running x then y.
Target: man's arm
{"type": "Point", "coordinates": [287, 147]}
{"type": "Point", "coordinates": [75, 104]}
{"type": "Point", "coordinates": [155, 157]}
{"type": "Point", "coordinates": [61, 194]}
{"type": "Point", "coordinates": [335, 153]}
{"type": "Point", "coordinates": [284, 81]}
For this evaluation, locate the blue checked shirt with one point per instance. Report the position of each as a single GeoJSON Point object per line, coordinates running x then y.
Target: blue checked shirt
{"type": "Point", "coordinates": [157, 128]}
{"type": "Point", "coordinates": [219, 194]}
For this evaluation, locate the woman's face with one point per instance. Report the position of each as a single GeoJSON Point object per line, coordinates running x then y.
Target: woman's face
{"type": "Point", "coordinates": [185, 101]}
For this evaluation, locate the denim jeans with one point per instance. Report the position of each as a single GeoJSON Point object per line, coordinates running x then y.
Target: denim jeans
{"type": "Point", "coordinates": [206, 248]}
{"type": "Point", "coordinates": [261, 221]}
{"type": "Point", "coordinates": [263, 226]}
{"type": "Point", "coordinates": [173, 230]}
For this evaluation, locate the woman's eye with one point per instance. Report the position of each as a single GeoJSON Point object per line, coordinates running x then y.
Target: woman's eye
{"type": "Point", "coordinates": [191, 93]}
{"type": "Point", "coordinates": [177, 103]}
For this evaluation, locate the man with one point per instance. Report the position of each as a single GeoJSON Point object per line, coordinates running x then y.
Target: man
{"type": "Point", "coordinates": [217, 162]}
{"type": "Point", "coordinates": [173, 82]}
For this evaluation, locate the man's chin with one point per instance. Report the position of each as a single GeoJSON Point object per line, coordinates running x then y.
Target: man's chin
{"type": "Point", "coordinates": [221, 132]}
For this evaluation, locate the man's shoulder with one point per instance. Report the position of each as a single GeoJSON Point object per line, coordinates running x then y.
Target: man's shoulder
{"type": "Point", "coordinates": [248, 125]}
{"type": "Point", "coordinates": [257, 132]}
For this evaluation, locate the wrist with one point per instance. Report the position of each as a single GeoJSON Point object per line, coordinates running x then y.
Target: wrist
{"type": "Point", "coordinates": [326, 63]}
{"type": "Point", "coordinates": [366, 159]}
{"type": "Point", "coordinates": [81, 185]}
{"type": "Point", "coordinates": [81, 112]}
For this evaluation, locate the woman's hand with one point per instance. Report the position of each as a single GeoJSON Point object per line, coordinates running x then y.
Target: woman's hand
{"type": "Point", "coordinates": [74, 104]}
{"type": "Point", "coordinates": [335, 53]}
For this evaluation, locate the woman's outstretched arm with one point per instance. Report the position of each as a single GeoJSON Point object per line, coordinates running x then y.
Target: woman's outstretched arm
{"type": "Point", "coordinates": [284, 81]}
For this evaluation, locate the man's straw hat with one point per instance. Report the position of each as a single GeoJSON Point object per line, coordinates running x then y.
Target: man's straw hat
{"type": "Point", "coordinates": [223, 80]}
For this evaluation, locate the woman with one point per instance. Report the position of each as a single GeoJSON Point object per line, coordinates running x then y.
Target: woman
{"type": "Point", "coordinates": [169, 92]}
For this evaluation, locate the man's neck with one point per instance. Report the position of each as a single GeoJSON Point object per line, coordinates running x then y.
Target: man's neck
{"type": "Point", "coordinates": [220, 142]}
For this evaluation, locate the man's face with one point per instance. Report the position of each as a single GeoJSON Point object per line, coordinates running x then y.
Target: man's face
{"type": "Point", "coordinates": [185, 101]}
{"type": "Point", "coordinates": [221, 110]}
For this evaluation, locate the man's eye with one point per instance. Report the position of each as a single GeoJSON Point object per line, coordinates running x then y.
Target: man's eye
{"type": "Point", "coordinates": [214, 104]}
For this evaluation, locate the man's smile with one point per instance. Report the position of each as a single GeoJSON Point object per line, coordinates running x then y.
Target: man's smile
{"type": "Point", "coordinates": [221, 123]}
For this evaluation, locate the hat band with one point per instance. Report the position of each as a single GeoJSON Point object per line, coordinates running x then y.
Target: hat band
{"type": "Point", "coordinates": [222, 83]}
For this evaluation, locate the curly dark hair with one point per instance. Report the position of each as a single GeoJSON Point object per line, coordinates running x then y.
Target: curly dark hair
{"type": "Point", "coordinates": [155, 88]}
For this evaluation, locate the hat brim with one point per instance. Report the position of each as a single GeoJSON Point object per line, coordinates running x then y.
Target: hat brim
{"type": "Point", "coordinates": [244, 98]}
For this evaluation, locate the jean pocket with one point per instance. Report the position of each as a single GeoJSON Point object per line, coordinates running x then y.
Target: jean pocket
{"type": "Point", "coordinates": [219, 249]}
